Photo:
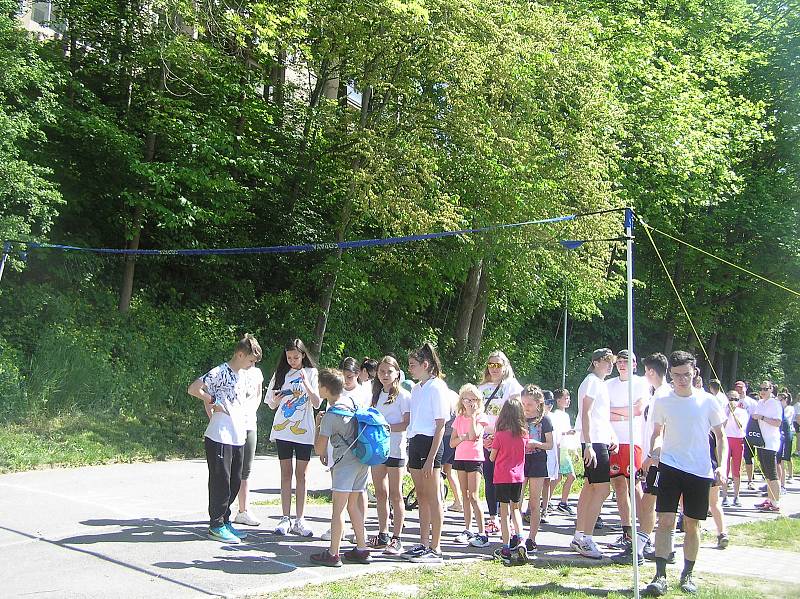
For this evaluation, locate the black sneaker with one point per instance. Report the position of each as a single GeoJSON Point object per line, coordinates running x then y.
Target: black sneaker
{"type": "Point", "coordinates": [565, 509]}
{"type": "Point", "coordinates": [515, 541]}
{"type": "Point", "coordinates": [530, 546]}
{"type": "Point", "coordinates": [622, 542]}
{"type": "Point", "coordinates": [688, 585]}
{"type": "Point", "coordinates": [657, 587]}
{"type": "Point", "coordinates": [625, 557]}
{"type": "Point", "coordinates": [599, 525]}
{"type": "Point", "coordinates": [651, 556]}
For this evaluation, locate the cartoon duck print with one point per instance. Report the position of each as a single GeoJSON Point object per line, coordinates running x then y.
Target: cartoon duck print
{"type": "Point", "coordinates": [294, 408]}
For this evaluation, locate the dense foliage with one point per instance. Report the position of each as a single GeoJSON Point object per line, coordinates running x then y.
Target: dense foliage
{"type": "Point", "coordinates": [180, 124]}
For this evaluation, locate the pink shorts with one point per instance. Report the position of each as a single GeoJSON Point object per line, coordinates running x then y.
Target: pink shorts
{"type": "Point", "coordinates": [735, 451]}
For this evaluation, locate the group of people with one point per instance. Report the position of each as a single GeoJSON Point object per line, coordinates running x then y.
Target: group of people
{"type": "Point", "coordinates": [514, 437]}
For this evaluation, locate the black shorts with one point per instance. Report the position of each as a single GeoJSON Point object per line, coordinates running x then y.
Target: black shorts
{"type": "Point", "coordinates": [287, 449]}
{"type": "Point", "coordinates": [394, 463]}
{"type": "Point", "coordinates": [649, 486]}
{"type": "Point", "coordinates": [601, 472]}
{"type": "Point", "coordinates": [467, 466]}
{"type": "Point", "coordinates": [672, 483]}
{"type": "Point", "coordinates": [419, 446]}
{"type": "Point", "coordinates": [508, 492]}
{"type": "Point", "coordinates": [535, 466]}
{"type": "Point", "coordinates": [769, 464]}
{"type": "Point", "coordinates": [786, 448]}
{"type": "Point", "coordinates": [748, 454]}
{"type": "Point", "coordinates": [449, 453]}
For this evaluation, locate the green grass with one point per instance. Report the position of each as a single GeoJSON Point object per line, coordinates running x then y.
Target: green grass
{"type": "Point", "coordinates": [490, 579]}
{"type": "Point", "coordinates": [79, 439]}
{"type": "Point", "coordinates": [779, 533]}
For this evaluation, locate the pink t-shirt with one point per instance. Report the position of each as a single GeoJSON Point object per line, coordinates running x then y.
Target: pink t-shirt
{"type": "Point", "coordinates": [509, 463]}
{"type": "Point", "coordinates": [470, 451]}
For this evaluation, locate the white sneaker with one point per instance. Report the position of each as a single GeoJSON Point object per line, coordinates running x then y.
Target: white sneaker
{"type": "Point", "coordinates": [283, 526]}
{"type": "Point", "coordinates": [326, 536]}
{"type": "Point", "coordinates": [299, 528]}
{"type": "Point", "coordinates": [587, 548]}
{"type": "Point", "coordinates": [246, 518]}
{"type": "Point", "coordinates": [464, 537]}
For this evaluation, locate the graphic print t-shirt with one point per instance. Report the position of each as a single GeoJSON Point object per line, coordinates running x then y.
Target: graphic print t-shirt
{"type": "Point", "coordinates": [294, 419]}
{"type": "Point", "coordinates": [228, 389]}
{"type": "Point", "coordinates": [508, 388]}
{"type": "Point", "coordinates": [537, 432]}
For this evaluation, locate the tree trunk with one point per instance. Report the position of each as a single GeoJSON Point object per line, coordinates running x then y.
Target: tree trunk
{"type": "Point", "coordinates": [734, 365]}
{"type": "Point", "coordinates": [126, 292]}
{"type": "Point", "coordinates": [277, 79]}
{"type": "Point", "coordinates": [469, 294]}
{"type": "Point", "coordinates": [479, 313]}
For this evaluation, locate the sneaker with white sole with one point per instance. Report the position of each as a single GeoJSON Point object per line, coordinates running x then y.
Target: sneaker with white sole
{"type": "Point", "coordinates": [587, 548]}
{"type": "Point", "coordinates": [222, 534]}
{"type": "Point", "coordinates": [416, 550]}
{"type": "Point", "coordinates": [479, 540]}
{"type": "Point", "coordinates": [395, 547]}
{"type": "Point", "coordinates": [464, 537]}
{"type": "Point", "coordinates": [233, 531]}
{"type": "Point", "coordinates": [299, 528]}
{"type": "Point", "coordinates": [429, 556]}
{"type": "Point", "coordinates": [326, 536]}
{"type": "Point", "coordinates": [284, 526]}
{"type": "Point", "coordinates": [247, 519]}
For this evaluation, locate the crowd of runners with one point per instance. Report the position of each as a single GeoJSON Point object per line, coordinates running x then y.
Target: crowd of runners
{"type": "Point", "coordinates": [516, 441]}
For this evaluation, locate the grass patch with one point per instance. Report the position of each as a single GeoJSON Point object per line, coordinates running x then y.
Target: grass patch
{"type": "Point", "coordinates": [312, 497]}
{"type": "Point", "coordinates": [490, 579]}
{"type": "Point", "coordinates": [779, 533]}
{"type": "Point", "coordinates": [79, 439]}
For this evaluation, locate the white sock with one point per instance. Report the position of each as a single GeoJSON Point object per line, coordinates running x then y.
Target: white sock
{"type": "Point", "coordinates": [578, 535]}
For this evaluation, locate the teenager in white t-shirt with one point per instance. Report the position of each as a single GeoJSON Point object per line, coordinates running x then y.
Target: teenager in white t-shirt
{"type": "Point", "coordinates": [562, 427]}
{"type": "Point", "coordinates": [655, 371]}
{"type": "Point", "coordinates": [593, 426]}
{"type": "Point", "coordinates": [749, 404]}
{"type": "Point", "coordinates": [430, 410]}
{"type": "Point", "coordinates": [394, 402]}
{"type": "Point", "coordinates": [619, 463]}
{"type": "Point", "coordinates": [769, 415]}
{"type": "Point", "coordinates": [498, 385]}
{"type": "Point", "coordinates": [684, 418]}
{"type": "Point", "coordinates": [293, 392]}
{"type": "Point", "coordinates": [254, 383]}
{"type": "Point", "coordinates": [222, 391]}
{"type": "Point", "coordinates": [734, 430]}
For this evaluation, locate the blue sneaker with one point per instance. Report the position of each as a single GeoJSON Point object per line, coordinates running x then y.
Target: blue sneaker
{"type": "Point", "coordinates": [238, 533]}
{"type": "Point", "coordinates": [221, 533]}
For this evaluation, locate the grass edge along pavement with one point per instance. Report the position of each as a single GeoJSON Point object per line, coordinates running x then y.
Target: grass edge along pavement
{"type": "Point", "coordinates": [488, 578]}
{"type": "Point", "coordinates": [781, 533]}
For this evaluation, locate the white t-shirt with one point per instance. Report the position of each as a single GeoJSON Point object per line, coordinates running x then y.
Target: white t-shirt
{"type": "Point", "coordinates": [254, 379]}
{"type": "Point", "coordinates": [647, 416]}
{"type": "Point", "coordinates": [430, 401]}
{"type": "Point", "coordinates": [228, 389]}
{"type": "Point", "coordinates": [770, 408]}
{"type": "Point", "coordinates": [732, 429]}
{"type": "Point", "coordinates": [561, 426]}
{"type": "Point", "coordinates": [721, 398]}
{"type": "Point", "coordinates": [294, 419]}
{"type": "Point", "coordinates": [600, 430]}
{"type": "Point", "coordinates": [749, 404]}
{"type": "Point", "coordinates": [687, 422]}
{"type": "Point", "coordinates": [361, 394]}
{"type": "Point", "coordinates": [394, 414]}
{"type": "Point", "coordinates": [618, 398]}
{"type": "Point", "coordinates": [508, 388]}
{"type": "Point", "coordinates": [789, 413]}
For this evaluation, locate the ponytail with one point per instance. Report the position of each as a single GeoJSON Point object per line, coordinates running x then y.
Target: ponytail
{"type": "Point", "coordinates": [427, 353]}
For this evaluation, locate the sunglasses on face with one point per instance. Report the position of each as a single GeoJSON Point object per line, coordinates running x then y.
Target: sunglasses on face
{"type": "Point", "coordinates": [495, 365]}
{"type": "Point", "coordinates": [765, 388]}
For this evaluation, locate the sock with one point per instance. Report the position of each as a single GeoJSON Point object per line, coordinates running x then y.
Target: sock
{"type": "Point", "coordinates": [688, 566]}
{"type": "Point", "coordinates": [587, 537]}
{"type": "Point", "coordinates": [627, 531]}
{"type": "Point", "coordinates": [578, 535]}
{"type": "Point", "coordinates": [661, 566]}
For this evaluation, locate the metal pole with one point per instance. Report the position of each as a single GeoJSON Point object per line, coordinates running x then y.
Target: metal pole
{"type": "Point", "coordinates": [564, 359]}
{"type": "Point", "coordinates": [634, 527]}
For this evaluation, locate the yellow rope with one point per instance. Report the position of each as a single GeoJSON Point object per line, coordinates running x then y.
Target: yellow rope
{"type": "Point", "coordinates": [680, 300]}
{"type": "Point", "coordinates": [691, 324]}
{"type": "Point", "coordinates": [736, 266]}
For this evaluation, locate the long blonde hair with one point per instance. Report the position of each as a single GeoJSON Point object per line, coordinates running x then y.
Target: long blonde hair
{"type": "Point", "coordinates": [461, 410]}
{"type": "Point", "coordinates": [508, 372]}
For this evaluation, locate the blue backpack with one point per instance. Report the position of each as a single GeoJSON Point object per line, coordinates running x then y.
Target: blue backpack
{"type": "Point", "coordinates": [371, 445]}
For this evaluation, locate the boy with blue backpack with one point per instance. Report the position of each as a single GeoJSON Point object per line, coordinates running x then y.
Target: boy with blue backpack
{"type": "Point", "coordinates": [358, 438]}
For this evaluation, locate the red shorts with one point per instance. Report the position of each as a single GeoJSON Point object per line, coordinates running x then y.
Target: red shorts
{"type": "Point", "coordinates": [735, 453]}
{"type": "Point", "coordinates": [619, 463]}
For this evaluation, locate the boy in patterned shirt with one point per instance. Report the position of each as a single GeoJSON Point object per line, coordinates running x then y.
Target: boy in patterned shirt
{"type": "Point", "coordinates": [223, 392]}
